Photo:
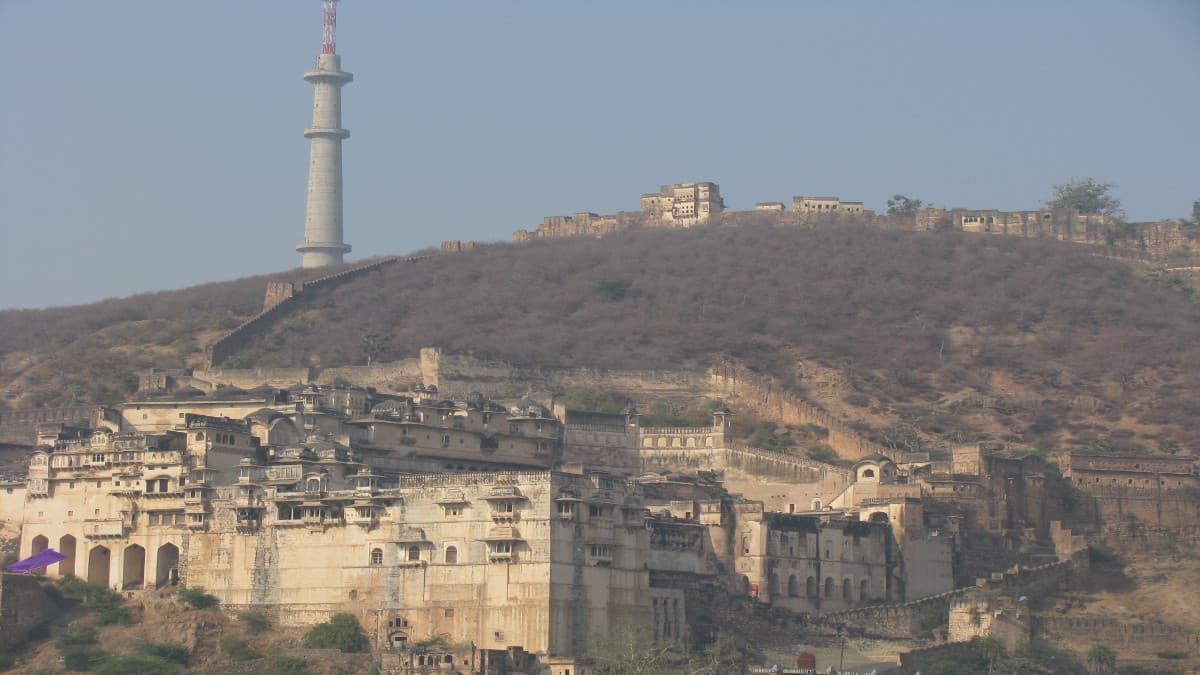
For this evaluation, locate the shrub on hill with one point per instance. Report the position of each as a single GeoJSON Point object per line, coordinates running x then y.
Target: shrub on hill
{"type": "Point", "coordinates": [341, 632]}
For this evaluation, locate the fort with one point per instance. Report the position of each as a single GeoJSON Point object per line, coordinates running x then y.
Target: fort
{"type": "Point", "coordinates": [689, 204]}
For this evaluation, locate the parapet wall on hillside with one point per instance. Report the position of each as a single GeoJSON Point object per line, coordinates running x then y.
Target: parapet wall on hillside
{"type": "Point", "coordinates": [280, 299]}
{"type": "Point", "coordinates": [23, 605]}
{"type": "Point", "coordinates": [1089, 630]}
{"type": "Point", "coordinates": [767, 398]}
{"type": "Point", "coordinates": [910, 619]}
{"type": "Point", "coordinates": [20, 426]}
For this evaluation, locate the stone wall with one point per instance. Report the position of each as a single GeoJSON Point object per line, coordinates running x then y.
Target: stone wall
{"type": "Point", "coordinates": [280, 299]}
{"type": "Point", "coordinates": [20, 426]}
{"type": "Point", "coordinates": [23, 605]}
{"type": "Point", "coordinates": [1115, 633]}
{"type": "Point", "coordinates": [910, 619]}
{"type": "Point", "coordinates": [765, 397]}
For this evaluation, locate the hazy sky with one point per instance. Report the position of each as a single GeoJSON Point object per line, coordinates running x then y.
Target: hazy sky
{"type": "Point", "coordinates": [151, 144]}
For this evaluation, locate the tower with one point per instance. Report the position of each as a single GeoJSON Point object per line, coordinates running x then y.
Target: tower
{"type": "Point", "coordinates": [323, 243]}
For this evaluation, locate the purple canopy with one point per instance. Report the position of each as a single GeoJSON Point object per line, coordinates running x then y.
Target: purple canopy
{"type": "Point", "coordinates": [36, 561]}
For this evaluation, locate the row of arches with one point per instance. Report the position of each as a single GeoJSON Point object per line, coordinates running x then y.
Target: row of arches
{"type": "Point", "coordinates": [99, 562]}
{"type": "Point", "coordinates": [830, 588]}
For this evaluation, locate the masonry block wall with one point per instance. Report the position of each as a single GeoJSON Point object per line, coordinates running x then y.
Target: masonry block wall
{"type": "Point", "coordinates": [23, 605]}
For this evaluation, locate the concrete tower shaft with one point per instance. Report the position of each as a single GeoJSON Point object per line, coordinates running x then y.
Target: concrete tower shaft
{"type": "Point", "coordinates": [323, 244]}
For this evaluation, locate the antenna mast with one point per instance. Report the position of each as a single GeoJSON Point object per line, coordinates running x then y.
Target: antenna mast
{"type": "Point", "coordinates": [327, 27]}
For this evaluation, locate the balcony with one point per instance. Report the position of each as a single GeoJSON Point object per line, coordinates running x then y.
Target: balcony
{"type": "Point", "coordinates": [100, 528]}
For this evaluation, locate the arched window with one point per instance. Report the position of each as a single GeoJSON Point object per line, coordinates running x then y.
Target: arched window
{"type": "Point", "coordinates": [810, 587]}
{"type": "Point", "coordinates": [312, 485]}
{"type": "Point", "coordinates": [829, 587]}
{"type": "Point", "coordinates": [864, 590]}
{"type": "Point", "coordinates": [376, 556]}
{"type": "Point", "coordinates": [868, 473]}
{"type": "Point", "coordinates": [451, 555]}
{"type": "Point", "coordinates": [846, 590]}
{"type": "Point", "coordinates": [793, 586]}
{"type": "Point", "coordinates": [414, 553]}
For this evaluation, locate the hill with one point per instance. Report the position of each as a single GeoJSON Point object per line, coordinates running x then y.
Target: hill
{"type": "Point", "coordinates": [919, 336]}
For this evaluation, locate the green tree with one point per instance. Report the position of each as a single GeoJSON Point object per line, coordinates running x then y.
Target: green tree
{"type": "Point", "coordinates": [993, 651]}
{"type": "Point", "coordinates": [899, 205]}
{"type": "Point", "coordinates": [1087, 196]}
{"type": "Point", "coordinates": [373, 344]}
{"type": "Point", "coordinates": [341, 632]}
{"type": "Point", "coordinates": [1102, 659]}
{"type": "Point", "coordinates": [724, 656]}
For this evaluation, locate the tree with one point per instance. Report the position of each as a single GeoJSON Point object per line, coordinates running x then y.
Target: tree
{"type": "Point", "coordinates": [993, 651]}
{"type": "Point", "coordinates": [630, 650]}
{"type": "Point", "coordinates": [373, 344]}
{"type": "Point", "coordinates": [1087, 196]}
{"type": "Point", "coordinates": [899, 205]}
{"type": "Point", "coordinates": [341, 632]}
{"type": "Point", "coordinates": [1102, 659]}
{"type": "Point", "coordinates": [724, 656]}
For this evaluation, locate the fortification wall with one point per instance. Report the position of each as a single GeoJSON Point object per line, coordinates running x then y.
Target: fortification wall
{"type": "Point", "coordinates": [1175, 511]}
{"type": "Point", "coordinates": [249, 378]}
{"type": "Point", "coordinates": [758, 462]}
{"type": "Point", "coordinates": [23, 605]}
{"type": "Point", "coordinates": [19, 427]}
{"type": "Point", "coordinates": [395, 375]}
{"type": "Point", "coordinates": [278, 303]}
{"type": "Point", "coordinates": [909, 619]}
{"type": "Point", "coordinates": [1116, 633]}
{"type": "Point", "coordinates": [765, 397]}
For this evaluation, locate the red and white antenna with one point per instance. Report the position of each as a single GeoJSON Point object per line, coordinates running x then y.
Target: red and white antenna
{"type": "Point", "coordinates": [328, 45]}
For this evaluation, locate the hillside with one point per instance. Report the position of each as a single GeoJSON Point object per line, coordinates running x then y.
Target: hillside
{"type": "Point", "coordinates": [918, 336]}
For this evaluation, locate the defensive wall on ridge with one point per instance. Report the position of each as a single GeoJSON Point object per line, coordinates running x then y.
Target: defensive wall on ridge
{"type": "Point", "coordinates": [910, 619]}
{"type": "Point", "coordinates": [20, 426]}
{"type": "Point", "coordinates": [23, 605]}
{"type": "Point", "coordinates": [280, 299]}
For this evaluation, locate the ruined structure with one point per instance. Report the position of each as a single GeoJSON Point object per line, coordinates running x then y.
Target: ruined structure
{"type": "Point", "coordinates": [1132, 493]}
{"type": "Point", "coordinates": [688, 204]}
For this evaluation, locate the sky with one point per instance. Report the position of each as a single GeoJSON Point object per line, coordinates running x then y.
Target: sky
{"type": "Point", "coordinates": [148, 145]}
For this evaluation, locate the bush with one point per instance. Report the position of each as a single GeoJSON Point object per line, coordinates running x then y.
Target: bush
{"type": "Point", "coordinates": [1172, 655]}
{"type": "Point", "coordinates": [80, 657]}
{"type": "Point", "coordinates": [859, 400]}
{"type": "Point", "coordinates": [169, 651]}
{"type": "Point", "coordinates": [823, 453]}
{"type": "Point", "coordinates": [1103, 555]}
{"type": "Point", "coordinates": [255, 622]}
{"type": "Point", "coordinates": [7, 661]}
{"type": "Point", "coordinates": [106, 604]}
{"type": "Point", "coordinates": [135, 664]}
{"type": "Point", "coordinates": [196, 597]}
{"type": "Point", "coordinates": [341, 632]}
{"type": "Point", "coordinates": [238, 649]}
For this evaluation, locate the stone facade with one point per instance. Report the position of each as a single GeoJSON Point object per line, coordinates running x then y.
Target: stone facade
{"type": "Point", "coordinates": [23, 606]}
{"type": "Point", "coordinates": [1158, 492]}
{"type": "Point", "coordinates": [504, 528]}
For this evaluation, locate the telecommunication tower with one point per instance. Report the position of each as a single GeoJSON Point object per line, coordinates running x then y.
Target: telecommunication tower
{"type": "Point", "coordinates": [323, 238]}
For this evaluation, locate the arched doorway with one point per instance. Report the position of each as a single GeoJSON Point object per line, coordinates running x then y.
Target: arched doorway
{"type": "Point", "coordinates": [878, 517]}
{"type": "Point", "coordinates": [40, 543]}
{"type": "Point", "coordinates": [793, 586]}
{"type": "Point", "coordinates": [810, 587]}
{"type": "Point", "coordinates": [847, 587]}
{"type": "Point", "coordinates": [864, 590]}
{"type": "Point", "coordinates": [166, 570]}
{"type": "Point", "coordinates": [133, 572]}
{"type": "Point", "coordinates": [66, 546]}
{"type": "Point", "coordinates": [98, 563]}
